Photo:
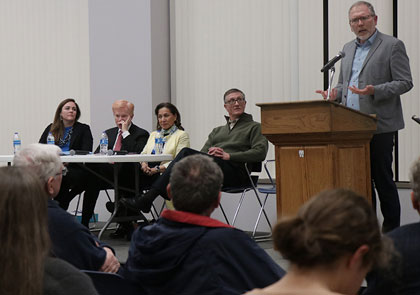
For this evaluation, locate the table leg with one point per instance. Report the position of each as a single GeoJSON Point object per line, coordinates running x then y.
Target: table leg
{"type": "Point", "coordinates": [116, 201]}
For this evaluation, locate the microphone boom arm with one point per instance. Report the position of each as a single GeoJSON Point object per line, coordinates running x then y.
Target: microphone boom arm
{"type": "Point", "coordinates": [332, 73]}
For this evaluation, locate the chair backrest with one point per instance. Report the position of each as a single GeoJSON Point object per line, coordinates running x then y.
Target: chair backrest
{"type": "Point", "coordinates": [110, 284]}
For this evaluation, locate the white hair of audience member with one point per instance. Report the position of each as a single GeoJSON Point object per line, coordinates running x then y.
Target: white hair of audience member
{"type": "Point", "coordinates": [44, 159]}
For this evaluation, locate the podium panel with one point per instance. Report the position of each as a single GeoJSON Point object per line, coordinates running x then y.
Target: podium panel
{"type": "Point", "coordinates": [318, 145]}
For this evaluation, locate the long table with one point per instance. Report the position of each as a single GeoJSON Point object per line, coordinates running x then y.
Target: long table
{"type": "Point", "coordinates": [6, 158]}
{"type": "Point", "coordinates": [115, 160]}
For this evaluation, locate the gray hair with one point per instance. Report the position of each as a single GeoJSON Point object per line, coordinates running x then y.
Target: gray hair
{"type": "Point", "coordinates": [195, 183]}
{"type": "Point", "coordinates": [44, 159]}
{"type": "Point", "coordinates": [233, 90]}
{"type": "Point", "coordinates": [369, 6]}
{"type": "Point", "coordinates": [415, 179]}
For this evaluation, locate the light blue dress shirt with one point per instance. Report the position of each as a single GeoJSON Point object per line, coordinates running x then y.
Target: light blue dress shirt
{"type": "Point", "coordinates": [362, 51]}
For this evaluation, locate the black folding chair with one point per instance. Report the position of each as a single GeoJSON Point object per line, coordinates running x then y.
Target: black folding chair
{"type": "Point", "coordinates": [251, 186]}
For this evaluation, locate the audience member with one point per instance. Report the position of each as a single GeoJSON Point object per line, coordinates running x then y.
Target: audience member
{"type": "Point", "coordinates": [126, 137]}
{"type": "Point", "coordinates": [230, 145]}
{"type": "Point", "coordinates": [331, 244]}
{"type": "Point", "coordinates": [25, 265]}
{"type": "Point", "coordinates": [403, 277]}
{"type": "Point", "coordinates": [69, 134]}
{"type": "Point", "coordinates": [187, 252]}
{"type": "Point", "coordinates": [71, 241]}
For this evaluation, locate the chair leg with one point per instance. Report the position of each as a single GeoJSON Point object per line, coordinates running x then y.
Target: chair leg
{"type": "Point", "coordinates": [107, 194]}
{"type": "Point", "coordinates": [154, 212]}
{"type": "Point", "coordinates": [239, 206]}
{"type": "Point", "coordinates": [224, 214]}
{"type": "Point", "coordinates": [259, 216]}
{"type": "Point", "coordinates": [161, 208]}
{"type": "Point", "coordinates": [77, 206]}
{"type": "Point", "coordinates": [262, 205]}
{"type": "Point", "coordinates": [266, 217]}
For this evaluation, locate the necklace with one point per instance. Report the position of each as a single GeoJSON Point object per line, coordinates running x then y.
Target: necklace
{"type": "Point", "coordinates": [64, 141]}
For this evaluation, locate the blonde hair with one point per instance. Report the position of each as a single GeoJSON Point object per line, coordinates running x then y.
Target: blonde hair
{"type": "Point", "coordinates": [121, 104]}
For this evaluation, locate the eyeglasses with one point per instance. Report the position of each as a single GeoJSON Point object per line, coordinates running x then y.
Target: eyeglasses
{"type": "Point", "coordinates": [235, 100]}
{"type": "Point", "coordinates": [63, 172]}
{"type": "Point", "coordinates": [362, 18]}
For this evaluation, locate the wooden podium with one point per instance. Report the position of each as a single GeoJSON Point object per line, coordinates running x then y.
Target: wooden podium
{"type": "Point", "coordinates": [318, 145]}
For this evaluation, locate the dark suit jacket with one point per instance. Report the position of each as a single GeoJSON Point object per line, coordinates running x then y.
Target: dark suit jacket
{"type": "Point", "coordinates": [73, 242]}
{"type": "Point", "coordinates": [81, 139]}
{"type": "Point", "coordinates": [387, 68]}
{"type": "Point", "coordinates": [134, 143]}
{"type": "Point", "coordinates": [404, 274]}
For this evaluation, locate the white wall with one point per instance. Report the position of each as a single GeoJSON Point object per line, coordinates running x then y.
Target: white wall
{"type": "Point", "coordinates": [409, 32]}
{"type": "Point", "coordinates": [44, 58]}
{"type": "Point", "coordinates": [120, 58]}
{"type": "Point", "coordinates": [266, 48]}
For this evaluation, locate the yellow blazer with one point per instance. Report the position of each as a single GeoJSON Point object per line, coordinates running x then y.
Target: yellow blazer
{"type": "Point", "coordinates": [173, 144]}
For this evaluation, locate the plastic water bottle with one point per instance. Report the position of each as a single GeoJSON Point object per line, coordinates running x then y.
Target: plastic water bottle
{"type": "Point", "coordinates": [103, 144]}
{"type": "Point", "coordinates": [16, 142]}
{"type": "Point", "coordinates": [50, 139]}
{"type": "Point", "coordinates": [158, 145]}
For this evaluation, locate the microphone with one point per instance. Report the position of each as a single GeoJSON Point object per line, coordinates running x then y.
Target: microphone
{"type": "Point", "coordinates": [78, 152]}
{"type": "Point", "coordinates": [415, 118]}
{"type": "Point", "coordinates": [332, 61]}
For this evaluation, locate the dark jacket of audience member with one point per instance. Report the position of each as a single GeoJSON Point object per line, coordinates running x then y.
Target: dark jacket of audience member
{"type": "Point", "coordinates": [403, 276]}
{"type": "Point", "coordinates": [61, 278]}
{"type": "Point", "coordinates": [72, 241]}
{"type": "Point", "coordinates": [198, 256]}
{"type": "Point", "coordinates": [188, 252]}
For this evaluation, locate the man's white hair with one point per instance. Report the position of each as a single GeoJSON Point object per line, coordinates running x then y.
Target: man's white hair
{"type": "Point", "coordinates": [44, 159]}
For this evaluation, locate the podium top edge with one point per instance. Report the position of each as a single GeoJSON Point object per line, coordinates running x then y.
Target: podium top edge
{"type": "Point", "coordinates": [315, 102]}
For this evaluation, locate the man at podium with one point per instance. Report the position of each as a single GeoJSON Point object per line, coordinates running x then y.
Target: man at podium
{"type": "Point", "coordinates": [374, 72]}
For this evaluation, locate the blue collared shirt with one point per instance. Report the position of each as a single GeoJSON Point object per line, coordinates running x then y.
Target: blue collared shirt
{"type": "Point", "coordinates": [362, 51]}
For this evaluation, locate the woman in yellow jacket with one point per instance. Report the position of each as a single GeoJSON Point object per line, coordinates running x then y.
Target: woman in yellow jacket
{"type": "Point", "coordinates": [169, 138]}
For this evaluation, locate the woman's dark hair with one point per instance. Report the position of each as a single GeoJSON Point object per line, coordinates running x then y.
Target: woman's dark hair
{"type": "Point", "coordinates": [57, 127]}
{"type": "Point", "coordinates": [332, 224]}
{"type": "Point", "coordinates": [173, 110]}
{"type": "Point", "coordinates": [25, 241]}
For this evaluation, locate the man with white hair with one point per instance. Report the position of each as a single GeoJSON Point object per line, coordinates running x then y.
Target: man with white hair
{"type": "Point", "coordinates": [71, 241]}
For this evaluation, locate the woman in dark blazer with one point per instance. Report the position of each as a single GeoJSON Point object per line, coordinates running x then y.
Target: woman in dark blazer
{"type": "Point", "coordinates": [69, 134]}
